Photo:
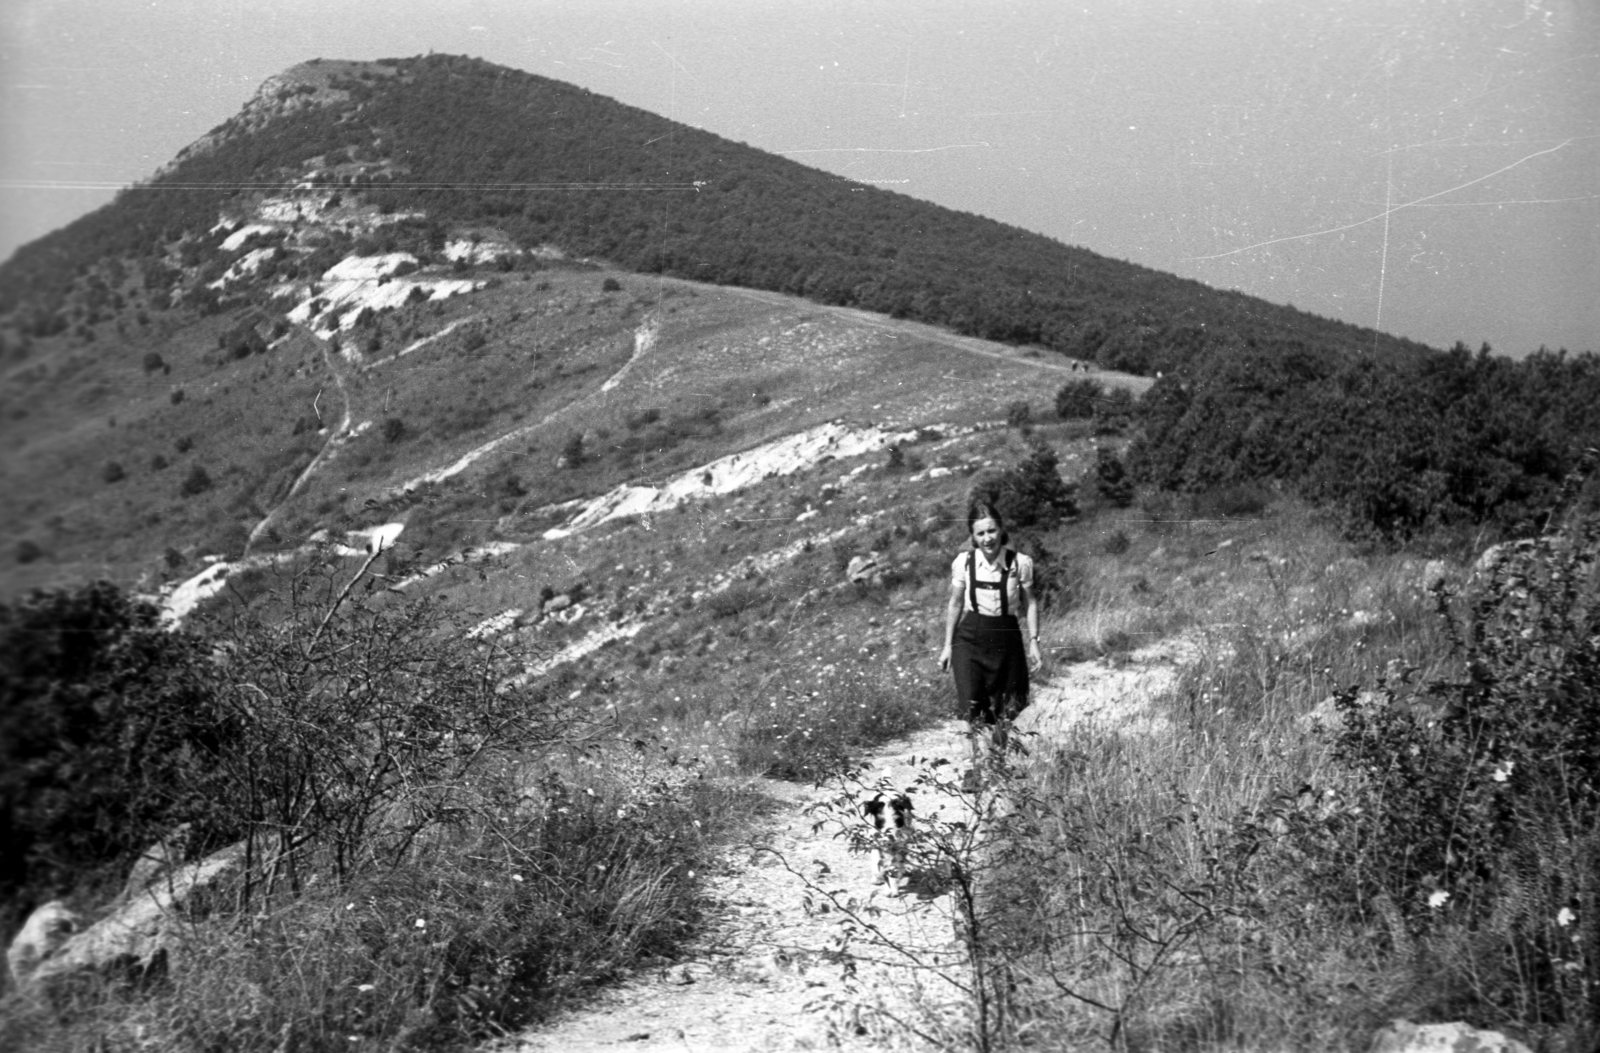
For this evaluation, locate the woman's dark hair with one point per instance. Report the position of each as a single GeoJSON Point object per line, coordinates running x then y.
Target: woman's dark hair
{"type": "Point", "coordinates": [984, 510]}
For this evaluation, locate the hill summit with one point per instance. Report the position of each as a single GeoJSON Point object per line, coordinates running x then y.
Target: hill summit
{"type": "Point", "coordinates": [442, 141]}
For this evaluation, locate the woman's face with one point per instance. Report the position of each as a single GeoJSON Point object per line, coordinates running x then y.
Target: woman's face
{"type": "Point", "coordinates": [986, 535]}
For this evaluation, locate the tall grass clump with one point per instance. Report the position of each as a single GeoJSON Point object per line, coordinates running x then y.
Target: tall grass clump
{"type": "Point", "coordinates": [431, 855]}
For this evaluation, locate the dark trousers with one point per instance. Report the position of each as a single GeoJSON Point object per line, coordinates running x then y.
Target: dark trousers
{"type": "Point", "coordinates": [990, 667]}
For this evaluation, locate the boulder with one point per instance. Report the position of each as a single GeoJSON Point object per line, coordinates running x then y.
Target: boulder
{"type": "Point", "coordinates": [140, 930]}
{"type": "Point", "coordinates": [1402, 1036]}
{"type": "Point", "coordinates": [862, 568]}
{"type": "Point", "coordinates": [47, 929]}
{"type": "Point", "coordinates": [557, 603]}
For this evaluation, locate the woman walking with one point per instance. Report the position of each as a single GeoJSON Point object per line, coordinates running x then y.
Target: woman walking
{"type": "Point", "coordinates": [991, 590]}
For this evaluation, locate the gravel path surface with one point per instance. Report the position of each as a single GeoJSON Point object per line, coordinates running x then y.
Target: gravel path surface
{"type": "Point", "coordinates": [768, 972]}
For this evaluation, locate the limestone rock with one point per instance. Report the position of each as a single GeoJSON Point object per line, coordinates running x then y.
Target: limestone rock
{"type": "Point", "coordinates": [862, 568]}
{"type": "Point", "coordinates": [47, 929]}
{"type": "Point", "coordinates": [148, 924]}
{"type": "Point", "coordinates": [557, 603]}
{"type": "Point", "coordinates": [1402, 1036]}
{"type": "Point", "coordinates": [156, 860]}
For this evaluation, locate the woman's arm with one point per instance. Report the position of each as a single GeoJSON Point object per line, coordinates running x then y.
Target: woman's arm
{"type": "Point", "coordinates": [952, 614]}
{"type": "Point", "coordinates": [1035, 660]}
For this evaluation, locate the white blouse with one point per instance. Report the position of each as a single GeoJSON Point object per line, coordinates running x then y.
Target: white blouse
{"type": "Point", "coordinates": [1020, 574]}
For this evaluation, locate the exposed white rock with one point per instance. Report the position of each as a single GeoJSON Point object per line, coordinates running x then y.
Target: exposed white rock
{"type": "Point", "coordinates": [494, 625]}
{"type": "Point", "coordinates": [47, 929]}
{"type": "Point", "coordinates": [372, 539]}
{"type": "Point", "coordinates": [862, 568]}
{"type": "Point", "coordinates": [1402, 1036]}
{"type": "Point", "coordinates": [725, 475]}
{"type": "Point", "coordinates": [187, 595]}
{"type": "Point", "coordinates": [479, 251]}
{"type": "Point", "coordinates": [358, 282]}
{"type": "Point", "coordinates": [233, 241]}
{"type": "Point", "coordinates": [243, 267]}
{"type": "Point", "coordinates": [301, 208]}
{"type": "Point", "coordinates": [146, 925]}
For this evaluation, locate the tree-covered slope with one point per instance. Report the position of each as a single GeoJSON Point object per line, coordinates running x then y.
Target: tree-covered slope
{"type": "Point", "coordinates": [460, 142]}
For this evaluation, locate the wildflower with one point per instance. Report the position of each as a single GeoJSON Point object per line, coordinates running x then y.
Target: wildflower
{"type": "Point", "coordinates": [516, 877]}
{"type": "Point", "coordinates": [1565, 917]}
{"type": "Point", "coordinates": [1502, 771]}
{"type": "Point", "coordinates": [422, 923]}
{"type": "Point", "coordinates": [364, 988]}
{"type": "Point", "coordinates": [1438, 899]}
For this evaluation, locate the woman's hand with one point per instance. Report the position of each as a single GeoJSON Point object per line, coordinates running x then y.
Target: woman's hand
{"type": "Point", "coordinates": [944, 659]}
{"type": "Point", "coordinates": [1035, 659]}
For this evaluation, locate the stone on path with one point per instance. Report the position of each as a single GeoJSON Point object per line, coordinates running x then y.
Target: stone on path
{"type": "Point", "coordinates": [1402, 1036]}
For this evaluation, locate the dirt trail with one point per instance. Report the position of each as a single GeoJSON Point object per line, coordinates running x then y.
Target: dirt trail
{"type": "Point", "coordinates": [337, 436]}
{"type": "Point", "coordinates": [766, 975]}
{"type": "Point", "coordinates": [934, 334]}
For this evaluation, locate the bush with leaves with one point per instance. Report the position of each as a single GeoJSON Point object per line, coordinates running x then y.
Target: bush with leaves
{"type": "Point", "coordinates": [1477, 808]}
{"type": "Point", "coordinates": [110, 734]}
{"type": "Point", "coordinates": [1111, 480]}
{"type": "Point", "coordinates": [1031, 493]}
{"type": "Point", "coordinates": [197, 481]}
{"type": "Point", "coordinates": [1076, 399]}
{"type": "Point", "coordinates": [1113, 414]}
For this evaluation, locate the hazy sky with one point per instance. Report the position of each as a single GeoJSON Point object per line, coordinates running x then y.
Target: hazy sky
{"type": "Point", "coordinates": [1431, 167]}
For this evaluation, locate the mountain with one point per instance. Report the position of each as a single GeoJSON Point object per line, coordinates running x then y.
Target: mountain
{"type": "Point", "coordinates": [454, 295]}
{"type": "Point", "coordinates": [441, 142]}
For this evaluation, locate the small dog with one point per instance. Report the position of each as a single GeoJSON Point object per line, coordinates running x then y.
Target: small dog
{"type": "Point", "coordinates": [892, 820]}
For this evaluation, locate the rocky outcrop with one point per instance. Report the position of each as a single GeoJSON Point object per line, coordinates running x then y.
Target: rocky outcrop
{"type": "Point", "coordinates": [1402, 1036]}
{"type": "Point", "coordinates": [864, 568]}
{"type": "Point", "coordinates": [156, 860]}
{"type": "Point", "coordinates": [142, 928]}
{"type": "Point", "coordinates": [47, 929]}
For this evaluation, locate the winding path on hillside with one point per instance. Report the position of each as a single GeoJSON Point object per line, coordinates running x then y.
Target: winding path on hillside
{"type": "Point", "coordinates": [766, 974]}
{"type": "Point", "coordinates": [336, 438]}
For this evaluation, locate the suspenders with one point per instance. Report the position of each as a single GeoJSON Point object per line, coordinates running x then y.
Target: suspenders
{"type": "Point", "coordinates": [973, 584]}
